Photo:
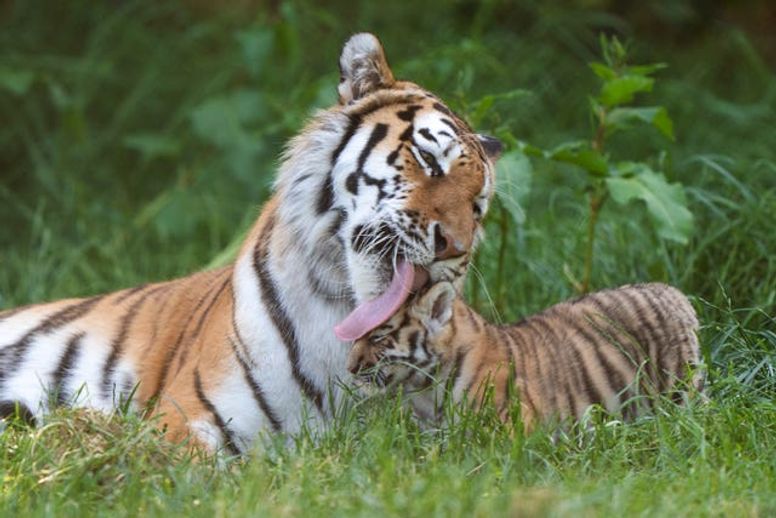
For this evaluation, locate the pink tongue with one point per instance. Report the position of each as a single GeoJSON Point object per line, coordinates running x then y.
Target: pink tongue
{"type": "Point", "coordinates": [371, 314]}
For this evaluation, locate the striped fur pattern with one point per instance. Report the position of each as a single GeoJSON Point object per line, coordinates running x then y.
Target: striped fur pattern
{"type": "Point", "coordinates": [389, 173]}
{"type": "Point", "coordinates": [609, 348]}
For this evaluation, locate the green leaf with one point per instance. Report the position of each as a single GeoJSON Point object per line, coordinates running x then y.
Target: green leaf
{"type": "Point", "coordinates": [482, 106]}
{"type": "Point", "coordinates": [581, 155]}
{"type": "Point", "coordinates": [230, 122]}
{"type": "Point", "coordinates": [16, 81]}
{"type": "Point", "coordinates": [530, 149]}
{"type": "Point", "coordinates": [666, 203]}
{"type": "Point", "coordinates": [256, 44]}
{"type": "Point", "coordinates": [223, 120]}
{"type": "Point", "coordinates": [513, 182]}
{"type": "Point", "coordinates": [622, 118]}
{"type": "Point", "coordinates": [622, 89]}
{"type": "Point", "coordinates": [646, 70]}
{"type": "Point", "coordinates": [603, 71]}
{"type": "Point", "coordinates": [151, 145]}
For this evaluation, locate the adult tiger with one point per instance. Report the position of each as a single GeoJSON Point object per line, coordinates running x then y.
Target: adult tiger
{"type": "Point", "coordinates": [375, 196]}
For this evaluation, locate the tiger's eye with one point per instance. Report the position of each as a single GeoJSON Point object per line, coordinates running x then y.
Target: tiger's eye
{"type": "Point", "coordinates": [431, 162]}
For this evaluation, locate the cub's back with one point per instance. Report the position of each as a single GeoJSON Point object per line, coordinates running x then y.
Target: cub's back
{"type": "Point", "coordinates": [608, 347]}
{"type": "Point", "coordinates": [654, 323]}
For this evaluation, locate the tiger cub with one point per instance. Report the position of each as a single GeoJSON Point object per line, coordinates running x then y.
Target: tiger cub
{"type": "Point", "coordinates": [609, 347]}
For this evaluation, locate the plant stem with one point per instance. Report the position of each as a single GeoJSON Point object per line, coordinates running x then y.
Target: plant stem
{"type": "Point", "coordinates": [503, 230]}
{"type": "Point", "coordinates": [597, 199]}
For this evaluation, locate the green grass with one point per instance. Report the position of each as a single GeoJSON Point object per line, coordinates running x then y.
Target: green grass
{"type": "Point", "coordinates": [139, 139]}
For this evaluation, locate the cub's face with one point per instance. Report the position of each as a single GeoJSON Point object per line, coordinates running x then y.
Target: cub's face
{"type": "Point", "coordinates": [411, 347]}
{"type": "Point", "coordinates": [410, 179]}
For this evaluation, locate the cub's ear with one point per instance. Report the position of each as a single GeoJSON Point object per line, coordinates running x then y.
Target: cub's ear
{"type": "Point", "coordinates": [435, 307]}
{"type": "Point", "coordinates": [491, 145]}
{"type": "Point", "coordinates": [363, 68]}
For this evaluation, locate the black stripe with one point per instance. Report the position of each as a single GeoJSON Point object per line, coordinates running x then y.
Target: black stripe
{"type": "Point", "coordinates": [614, 377]}
{"type": "Point", "coordinates": [510, 385]}
{"type": "Point", "coordinates": [59, 319]}
{"type": "Point", "coordinates": [229, 442]}
{"type": "Point", "coordinates": [16, 410]}
{"type": "Point", "coordinates": [427, 134]}
{"type": "Point", "coordinates": [408, 114]}
{"type": "Point", "coordinates": [351, 183]}
{"type": "Point", "coordinates": [634, 321]}
{"type": "Point", "coordinates": [517, 332]}
{"type": "Point", "coordinates": [581, 373]}
{"type": "Point", "coordinates": [64, 368]}
{"type": "Point", "coordinates": [326, 196]}
{"type": "Point", "coordinates": [513, 332]}
{"type": "Point", "coordinates": [444, 109]}
{"type": "Point", "coordinates": [378, 133]}
{"type": "Point", "coordinates": [124, 295]}
{"type": "Point", "coordinates": [168, 359]}
{"type": "Point", "coordinates": [452, 126]}
{"type": "Point", "coordinates": [662, 323]}
{"type": "Point", "coordinates": [472, 319]}
{"type": "Point", "coordinates": [302, 178]}
{"type": "Point", "coordinates": [550, 345]}
{"type": "Point", "coordinates": [353, 124]}
{"type": "Point", "coordinates": [543, 377]}
{"type": "Point", "coordinates": [117, 346]}
{"type": "Point", "coordinates": [393, 155]}
{"type": "Point", "coordinates": [258, 393]}
{"type": "Point", "coordinates": [201, 323]}
{"type": "Point", "coordinates": [157, 321]}
{"type": "Point", "coordinates": [642, 325]}
{"type": "Point", "coordinates": [406, 135]}
{"type": "Point", "coordinates": [412, 340]}
{"type": "Point", "coordinates": [570, 353]}
{"type": "Point", "coordinates": [460, 356]}
{"type": "Point", "coordinates": [280, 319]}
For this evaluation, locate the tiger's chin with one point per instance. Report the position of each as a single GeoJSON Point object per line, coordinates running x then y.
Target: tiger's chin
{"type": "Point", "coordinates": [450, 270]}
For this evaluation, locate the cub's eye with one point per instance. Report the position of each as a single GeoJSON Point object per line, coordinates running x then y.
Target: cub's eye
{"type": "Point", "coordinates": [431, 162]}
{"type": "Point", "coordinates": [376, 339]}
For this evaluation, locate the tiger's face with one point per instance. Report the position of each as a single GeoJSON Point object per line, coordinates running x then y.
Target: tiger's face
{"type": "Point", "coordinates": [413, 347]}
{"type": "Point", "coordinates": [411, 181]}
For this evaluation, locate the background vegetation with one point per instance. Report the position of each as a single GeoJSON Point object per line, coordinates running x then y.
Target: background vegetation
{"type": "Point", "coordinates": [139, 138]}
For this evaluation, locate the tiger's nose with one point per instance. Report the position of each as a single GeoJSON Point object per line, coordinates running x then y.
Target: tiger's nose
{"type": "Point", "coordinates": [445, 247]}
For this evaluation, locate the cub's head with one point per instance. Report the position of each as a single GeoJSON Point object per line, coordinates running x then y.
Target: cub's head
{"type": "Point", "coordinates": [412, 346]}
{"type": "Point", "coordinates": [406, 186]}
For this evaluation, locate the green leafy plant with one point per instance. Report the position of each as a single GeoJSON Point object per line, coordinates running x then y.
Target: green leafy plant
{"type": "Point", "coordinates": [612, 111]}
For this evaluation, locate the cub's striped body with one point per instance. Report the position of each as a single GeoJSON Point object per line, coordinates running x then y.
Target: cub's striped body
{"type": "Point", "coordinates": [390, 174]}
{"type": "Point", "coordinates": [609, 348]}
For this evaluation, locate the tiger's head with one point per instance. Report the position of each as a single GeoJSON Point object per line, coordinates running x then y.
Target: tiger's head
{"type": "Point", "coordinates": [406, 187]}
{"type": "Point", "coordinates": [413, 346]}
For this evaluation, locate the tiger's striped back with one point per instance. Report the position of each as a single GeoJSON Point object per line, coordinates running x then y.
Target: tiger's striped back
{"type": "Point", "coordinates": [618, 348]}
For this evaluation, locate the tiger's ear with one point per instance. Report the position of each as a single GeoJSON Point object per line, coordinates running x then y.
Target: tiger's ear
{"type": "Point", "coordinates": [491, 145]}
{"type": "Point", "coordinates": [435, 307]}
{"type": "Point", "coordinates": [363, 68]}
